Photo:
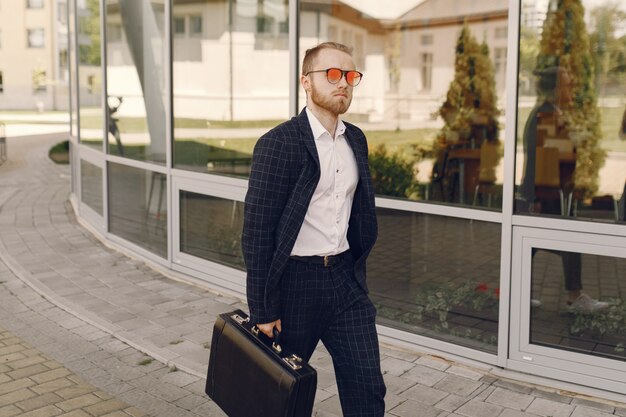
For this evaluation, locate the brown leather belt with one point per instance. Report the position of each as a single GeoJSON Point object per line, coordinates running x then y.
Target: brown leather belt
{"type": "Point", "coordinates": [328, 260]}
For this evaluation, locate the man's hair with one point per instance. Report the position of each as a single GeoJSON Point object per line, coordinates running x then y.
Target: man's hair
{"type": "Point", "coordinates": [311, 54]}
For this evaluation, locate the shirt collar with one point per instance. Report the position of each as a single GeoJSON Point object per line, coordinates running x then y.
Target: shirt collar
{"type": "Point", "coordinates": [318, 129]}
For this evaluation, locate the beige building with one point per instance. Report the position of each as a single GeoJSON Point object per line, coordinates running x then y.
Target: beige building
{"type": "Point", "coordinates": [33, 55]}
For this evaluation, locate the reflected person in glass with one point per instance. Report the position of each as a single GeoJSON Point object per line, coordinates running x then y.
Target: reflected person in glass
{"type": "Point", "coordinates": [547, 176]}
{"type": "Point", "coordinates": [309, 226]}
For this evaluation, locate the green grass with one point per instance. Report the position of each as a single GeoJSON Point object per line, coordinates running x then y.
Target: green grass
{"type": "Point", "coordinates": [139, 124]}
{"type": "Point", "coordinates": [60, 153]}
{"type": "Point", "coordinates": [146, 361]}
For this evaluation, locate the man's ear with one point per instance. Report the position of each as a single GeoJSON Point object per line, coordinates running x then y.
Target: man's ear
{"type": "Point", "coordinates": [306, 83]}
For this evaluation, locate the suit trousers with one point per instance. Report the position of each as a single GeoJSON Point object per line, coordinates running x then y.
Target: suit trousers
{"type": "Point", "coordinates": [327, 304]}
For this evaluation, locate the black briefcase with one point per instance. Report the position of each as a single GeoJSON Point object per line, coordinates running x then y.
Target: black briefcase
{"type": "Point", "coordinates": [251, 376]}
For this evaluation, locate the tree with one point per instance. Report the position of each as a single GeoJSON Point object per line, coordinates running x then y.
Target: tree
{"type": "Point", "coordinates": [471, 97]}
{"type": "Point", "coordinates": [606, 48]}
{"type": "Point", "coordinates": [565, 43]}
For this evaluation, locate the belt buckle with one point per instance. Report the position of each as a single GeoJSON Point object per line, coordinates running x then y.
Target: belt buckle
{"type": "Point", "coordinates": [326, 260]}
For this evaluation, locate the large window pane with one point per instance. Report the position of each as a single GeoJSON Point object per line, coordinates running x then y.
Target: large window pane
{"type": "Point", "coordinates": [135, 79]}
{"type": "Point", "coordinates": [138, 207]}
{"type": "Point", "coordinates": [72, 69]}
{"type": "Point", "coordinates": [578, 303]}
{"type": "Point", "coordinates": [438, 277]}
{"type": "Point", "coordinates": [432, 94]}
{"type": "Point", "coordinates": [571, 132]}
{"type": "Point", "coordinates": [210, 228]}
{"type": "Point", "coordinates": [230, 78]}
{"type": "Point", "coordinates": [91, 185]}
{"type": "Point", "coordinates": [90, 73]}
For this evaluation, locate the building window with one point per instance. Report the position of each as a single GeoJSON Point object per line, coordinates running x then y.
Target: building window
{"type": "Point", "coordinates": [195, 25]}
{"type": "Point", "coordinates": [39, 80]}
{"type": "Point", "coordinates": [332, 32]}
{"type": "Point", "coordinates": [359, 51]}
{"type": "Point", "coordinates": [427, 39]}
{"type": "Point", "coordinates": [62, 13]}
{"type": "Point", "coordinates": [499, 64]}
{"type": "Point", "coordinates": [34, 4]}
{"type": "Point", "coordinates": [427, 71]}
{"type": "Point", "coordinates": [179, 26]}
{"type": "Point", "coordinates": [1, 83]}
{"type": "Point", "coordinates": [114, 32]}
{"type": "Point", "coordinates": [502, 32]}
{"type": "Point", "coordinates": [36, 38]}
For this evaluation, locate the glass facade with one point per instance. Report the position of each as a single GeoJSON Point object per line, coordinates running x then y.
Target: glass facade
{"type": "Point", "coordinates": [136, 80]}
{"type": "Point", "coordinates": [91, 186]}
{"type": "Point", "coordinates": [594, 324]}
{"type": "Point", "coordinates": [90, 83]}
{"type": "Point", "coordinates": [210, 228]}
{"type": "Point", "coordinates": [138, 206]}
{"type": "Point", "coordinates": [222, 103]}
{"type": "Point", "coordinates": [463, 164]}
{"type": "Point", "coordinates": [437, 276]}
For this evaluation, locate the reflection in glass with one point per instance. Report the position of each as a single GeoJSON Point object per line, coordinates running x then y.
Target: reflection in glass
{"type": "Point", "coordinates": [137, 207]}
{"type": "Point", "coordinates": [230, 80]}
{"type": "Point", "coordinates": [578, 303]}
{"type": "Point", "coordinates": [571, 155]}
{"type": "Point", "coordinates": [135, 79]}
{"type": "Point", "coordinates": [72, 69]}
{"type": "Point", "coordinates": [91, 185]}
{"type": "Point", "coordinates": [431, 97]}
{"type": "Point", "coordinates": [438, 277]}
{"type": "Point", "coordinates": [210, 228]}
{"type": "Point", "coordinates": [90, 73]}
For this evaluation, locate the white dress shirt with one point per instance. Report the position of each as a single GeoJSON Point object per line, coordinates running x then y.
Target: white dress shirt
{"type": "Point", "coordinates": [325, 227]}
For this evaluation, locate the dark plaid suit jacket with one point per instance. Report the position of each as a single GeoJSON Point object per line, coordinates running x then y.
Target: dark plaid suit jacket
{"type": "Point", "coordinates": [285, 173]}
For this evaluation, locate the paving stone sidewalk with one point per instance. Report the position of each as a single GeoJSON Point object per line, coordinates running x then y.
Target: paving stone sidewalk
{"type": "Point", "coordinates": [142, 338]}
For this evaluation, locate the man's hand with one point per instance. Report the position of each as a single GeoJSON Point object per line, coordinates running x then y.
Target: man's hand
{"type": "Point", "coordinates": [268, 328]}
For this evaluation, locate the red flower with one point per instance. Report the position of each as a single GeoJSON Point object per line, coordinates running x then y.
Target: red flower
{"type": "Point", "coordinates": [497, 292]}
{"type": "Point", "coordinates": [482, 287]}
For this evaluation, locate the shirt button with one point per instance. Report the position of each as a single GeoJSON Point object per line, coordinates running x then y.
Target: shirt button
{"type": "Point", "coordinates": [337, 170]}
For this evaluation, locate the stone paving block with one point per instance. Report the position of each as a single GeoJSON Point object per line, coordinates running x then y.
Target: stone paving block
{"type": "Point", "coordinates": [552, 396]}
{"type": "Point", "coordinates": [27, 361]}
{"type": "Point", "coordinates": [510, 399]}
{"type": "Point", "coordinates": [11, 357]}
{"type": "Point", "coordinates": [411, 408]}
{"type": "Point", "coordinates": [394, 366]}
{"type": "Point", "coordinates": [589, 412]}
{"type": "Point", "coordinates": [548, 408]}
{"type": "Point", "coordinates": [620, 411]}
{"type": "Point", "coordinates": [105, 407]}
{"type": "Point", "coordinates": [432, 362]}
{"type": "Point", "coordinates": [50, 375]}
{"type": "Point", "coordinates": [51, 386]}
{"type": "Point", "coordinates": [397, 385]}
{"type": "Point", "coordinates": [76, 413]}
{"type": "Point", "coordinates": [513, 386]}
{"type": "Point", "coordinates": [78, 402]}
{"type": "Point", "coordinates": [464, 372]}
{"type": "Point", "coordinates": [475, 408]}
{"type": "Point", "coordinates": [332, 405]}
{"type": "Point", "coordinates": [9, 411]}
{"type": "Point", "coordinates": [423, 394]}
{"type": "Point", "coordinates": [191, 401]}
{"type": "Point", "coordinates": [74, 391]}
{"type": "Point", "coordinates": [4, 377]}
{"type": "Point", "coordinates": [16, 396]}
{"type": "Point", "coordinates": [179, 379]}
{"type": "Point", "coordinates": [593, 404]}
{"type": "Point", "coordinates": [39, 401]}
{"type": "Point", "coordinates": [507, 412]}
{"type": "Point", "coordinates": [451, 402]}
{"type": "Point", "coordinates": [18, 384]}
{"type": "Point", "coordinates": [47, 411]}
{"type": "Point", "coordinates": [392, 401]}
{"type": "Point", "coordinates": [457, 385]}
{"type": "Point", "coordinates": [424, 375]}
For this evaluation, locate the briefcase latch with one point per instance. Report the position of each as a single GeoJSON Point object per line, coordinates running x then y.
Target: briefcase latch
{"type": "Point", "coordinates": [293, 361]}
{"type": "Point", "coordinates": [239, 319]}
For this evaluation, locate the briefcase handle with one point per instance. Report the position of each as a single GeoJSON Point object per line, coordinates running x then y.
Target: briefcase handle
{"type": "Point", "coordinates": [275, 345]}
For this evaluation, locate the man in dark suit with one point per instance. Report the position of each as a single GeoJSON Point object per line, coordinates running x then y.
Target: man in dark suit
{"type": "Point", "coordinates": [309, 225]}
